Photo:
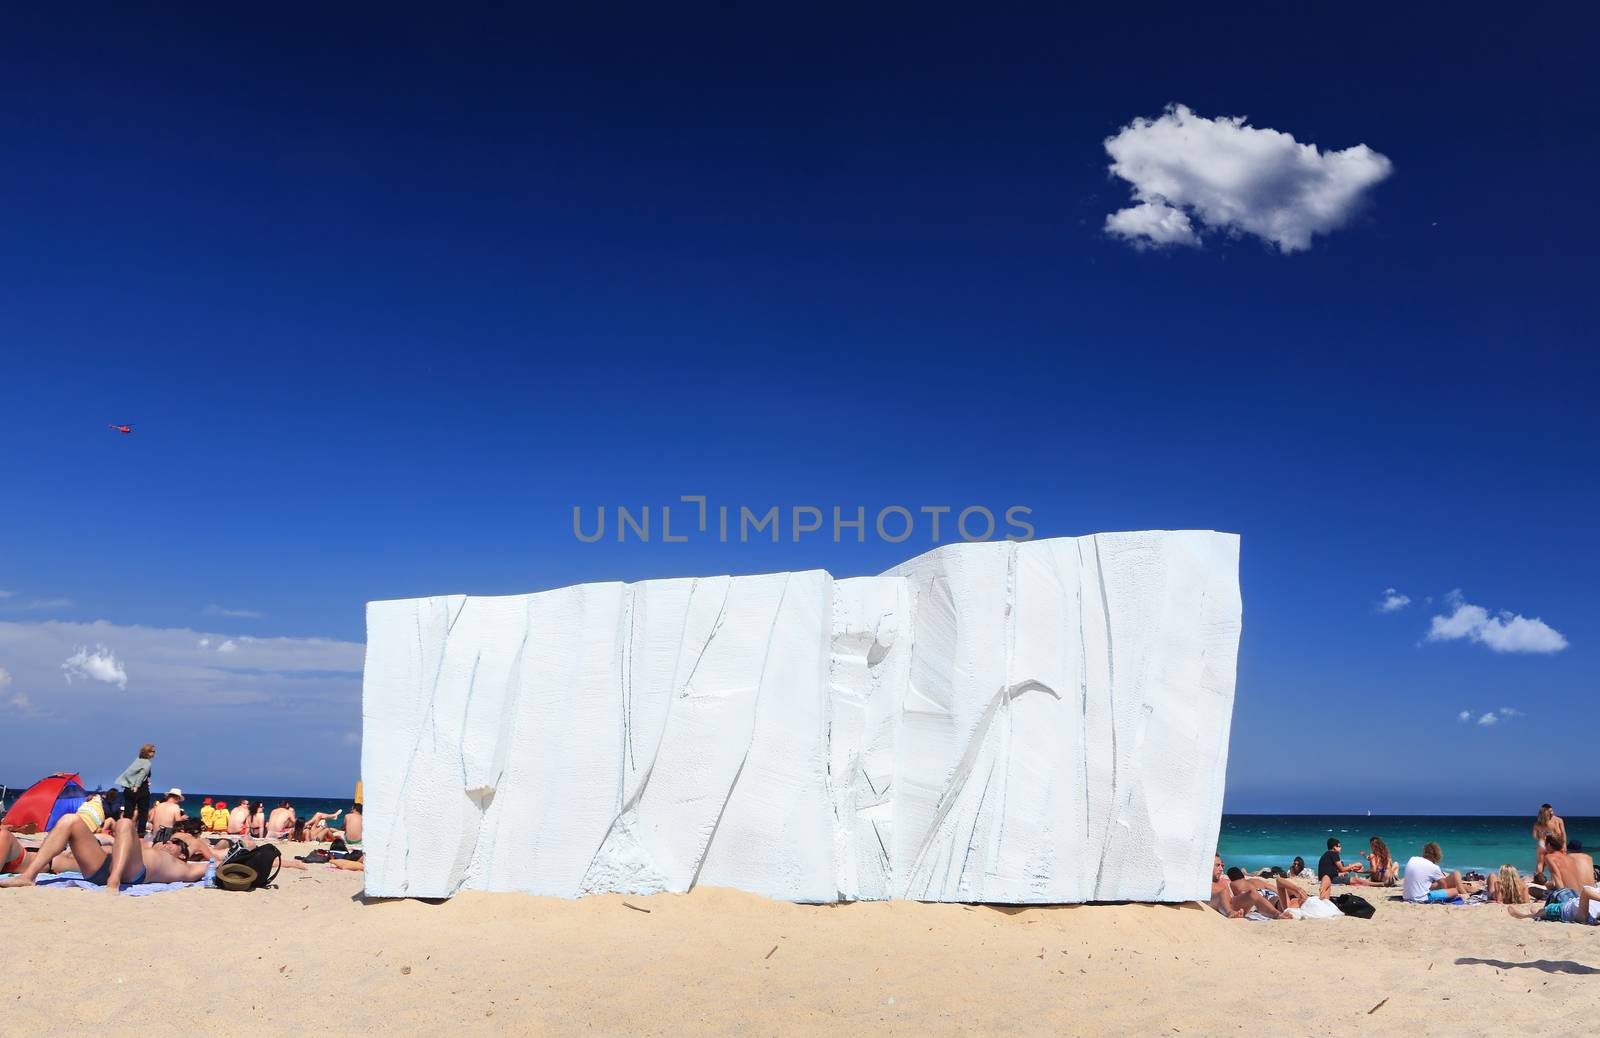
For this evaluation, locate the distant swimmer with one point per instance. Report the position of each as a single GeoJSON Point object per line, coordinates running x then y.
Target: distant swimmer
{"type": "Point", "coordinates": [123, 429]}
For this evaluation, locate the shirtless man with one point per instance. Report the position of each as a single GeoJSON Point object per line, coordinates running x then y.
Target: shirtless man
{"type": "Point", "coordinates": [281, 822]}
{"type": "Point", "coordinates": [1234, 905]}
{"type": "Point", "coordinates": [130, 862]}
{"type": "Point", "coordinates": [168, 813]}
{"type": "Point", "coordinates": [1569, 871]}
{"type": "Point", "coordinates": [239, 819]}
{"type": "Point", "coordinates": [352, 824]}
{"type": "Point", "coordinates": [1579, 909]}
{"type": "Point", "coordinates": [1280, 892]}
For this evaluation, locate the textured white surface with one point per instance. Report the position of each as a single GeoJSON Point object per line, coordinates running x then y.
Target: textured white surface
{"type": "Point", "coordinates": [1041, 722]}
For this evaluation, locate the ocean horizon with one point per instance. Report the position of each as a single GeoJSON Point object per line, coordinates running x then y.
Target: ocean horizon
{"type": "Point", "coordinates": [1251, 841]}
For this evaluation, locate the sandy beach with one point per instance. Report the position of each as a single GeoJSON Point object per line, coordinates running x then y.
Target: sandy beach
{"type": "Point", "coordinates": [315, 953]}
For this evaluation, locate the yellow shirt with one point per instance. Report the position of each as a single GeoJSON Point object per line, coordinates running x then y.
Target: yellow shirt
{"type": "Point", "coordinates": [205, 816]}
{"type": "Point", "coordinates": [93, 813]}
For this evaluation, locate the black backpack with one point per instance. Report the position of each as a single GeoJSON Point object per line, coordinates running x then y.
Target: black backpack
{"type": "Point", "coordinates": [249, 870]}
{"type": "Point", "coordinates": [1349, 904]}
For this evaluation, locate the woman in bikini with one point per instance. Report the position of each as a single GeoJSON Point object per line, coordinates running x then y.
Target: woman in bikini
{"type": "Point", "coordinates": [1385, 870]}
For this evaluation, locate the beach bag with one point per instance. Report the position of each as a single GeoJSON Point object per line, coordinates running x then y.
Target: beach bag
{"type": "Point", "coordinates": [250, 870]}
{"type": "Point", "coordinates": [1359, 907]}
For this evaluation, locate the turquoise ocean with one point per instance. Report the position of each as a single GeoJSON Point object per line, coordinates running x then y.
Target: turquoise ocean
{"type": "Point", "coordinates": [1482, 842]}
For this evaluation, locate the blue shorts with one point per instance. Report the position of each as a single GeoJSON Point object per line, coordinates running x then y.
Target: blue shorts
{"type": "Point", "coordinates": [1440, 895]}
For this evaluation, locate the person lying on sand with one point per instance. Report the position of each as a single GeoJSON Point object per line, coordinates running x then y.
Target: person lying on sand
{"type": "Point", "coordinates": [1576, 909]}
{"type": "Point", "coordinates": [1569, 871]}
{"type": "Point", "coordinates": [1234, 905]}
{"type": "Point", "coordinates": [317, 829]}
{"type": "Point", "coordinates": [130, 861]}
{"type": "Point", "coordinates": [1332, 870]}
{"type": "Point", "coordinates": [1425, 881]}
{"type": "Point", "coordinates": [1280, 892]}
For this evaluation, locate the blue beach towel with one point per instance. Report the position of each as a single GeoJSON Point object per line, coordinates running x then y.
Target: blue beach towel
{"type": "Point", "coordinates": [75, 881]}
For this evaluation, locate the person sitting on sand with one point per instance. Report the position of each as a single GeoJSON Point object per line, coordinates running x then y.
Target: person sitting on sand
{"type": "Point", "coordinates": [258, 820]}
{"type": "Point", "coordinates": [1235, 906]}
{"type": "Point", "coordinates": [281, 822]}
{"type": "Point", "coordinates": [239, 819]}
{"type": "Point", "coordinates": [1281, 892]}
{"type": "Point", "coordinates": [1569, 871]}
{"type": "Point", "coordinates": [1425, 881]}
{"type": "Point", "coordinates": [1507, 888]}
{"type": "Point", "coordinates": [1298, 870]}
{"type": "Point", "coordinates": [1548, 824]}
{"type": "Point", "coordinates": [1332, 870]}
{"type": "Point", "coordinates": [1577, 909]}
{"type": "Point", "coordinates": [352, 823]}
{"type": "Point", "coordinates": [129, 862]}
{"type": "Point", "coordinates": [1382, 868]}
{"type": "Point", "coordinates": [169, 812]}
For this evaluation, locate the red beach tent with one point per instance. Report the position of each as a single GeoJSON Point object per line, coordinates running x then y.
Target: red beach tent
{"type": "Point", "coordinates": [45, 802]}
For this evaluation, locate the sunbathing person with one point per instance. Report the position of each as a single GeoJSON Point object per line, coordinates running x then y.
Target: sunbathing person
{"type": "Point", "coordinates": [1332, 870]}
{"type": "Point", "coordinates": [317, 829]}
{"type": "Point", "coordinates": [1578, 909]}
{"type": "Point", "coordinates": [129, 863]}
{"type": "Point", "coordinates": [1381, 866]}
{"type": "Point", "coordinates": [1233, 905]}
{"type": "Point", "coordinates": [1569, 871]}
{"type": "Point", "coordinates": [1280, 892]}
{"type": "Point", "coordinates": [1425, 881]}
{"type": "Point", "coordinates": [1507, 887]}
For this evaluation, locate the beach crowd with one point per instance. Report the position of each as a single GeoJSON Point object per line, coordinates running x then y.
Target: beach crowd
{"type": "Point", "coordinates": [1562, 888]}
{"type": "Point", "coordinates": [117, 837]}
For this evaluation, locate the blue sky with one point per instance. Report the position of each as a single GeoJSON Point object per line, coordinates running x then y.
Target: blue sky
{"type": "Point", "coordinates": [386, 295]}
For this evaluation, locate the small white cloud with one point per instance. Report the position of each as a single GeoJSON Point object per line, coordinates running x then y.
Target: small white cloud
{"type": "Point", "coordinates": [99, 665]}
{"type": "Point", "coordinates": [237, 614]}
{"type": "Point", "coordinates": [1393, 601]}
{"type": "Point", "coordinates": [1235, 179]}
{"type": "Point", "coordinates": [1150, 224]}
{"type": "Point", "coordinates": [1488, 719]}
{"type": "Point", "coordinates": [1465, 715]}
{"type": "Point", "coordinates": [5, 677]}
{"type": "Point", "coordinates": [20, 704]}
{"type": "Point", "coordinates": [228, 646]}
{"type": "Point", "coordinates": [352, 738]}
{"type": "Point", "coordinates": [204, 643]}
{"type": "Point", "coordinates": [1507, 711]}
{"type": "Point", "coordinates": [1504, 632]}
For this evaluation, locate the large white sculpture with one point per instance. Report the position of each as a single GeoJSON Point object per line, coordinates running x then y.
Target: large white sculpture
{"type": "Point", "coordinates": [1039, 722]}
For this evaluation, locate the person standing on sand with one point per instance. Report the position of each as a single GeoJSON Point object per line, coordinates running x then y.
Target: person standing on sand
{"type": "Point", "coordinates": [1547, 825]}
{"type": "Point", "coordinates": [1332, 870]}
{"type": "Point", "coordinates": [134, 785]}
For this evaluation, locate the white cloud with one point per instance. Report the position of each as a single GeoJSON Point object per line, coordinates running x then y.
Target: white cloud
{"type": "Point", "coordinates": [100, 665]}
{"type": "Point", "coordinates": [181, 668]}
{"type": "Point", "coordinates": [1393, 601]}
{"type": "Point", "coordinates": [19, 703]}
{"type": "Point", "coordinates": [228, 646]}
{"type": "Point", "coordinates": [1235, 179]}
{"type": "Point", "coordinates": [1488, 719]}
{"type": "Point", "coordinates": [1150, 224]}
{"type": "Point", "coordinates": [237, 614]}
{"type": "Point", "coordinates": [1465, 715]}
{"type": "Point", "coordinates": [1507, 711]}
{"type": "Point", "coordinates": [5, 677]}
{"type": "Point", "coordinates": [1503, 632]}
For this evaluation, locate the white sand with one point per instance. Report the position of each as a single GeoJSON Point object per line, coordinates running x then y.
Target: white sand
{"type": "Point", "coordinates": [312, 954]}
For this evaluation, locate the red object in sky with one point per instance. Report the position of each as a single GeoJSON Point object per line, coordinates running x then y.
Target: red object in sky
{"type": "Point", "coordinates": [123, 429]}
